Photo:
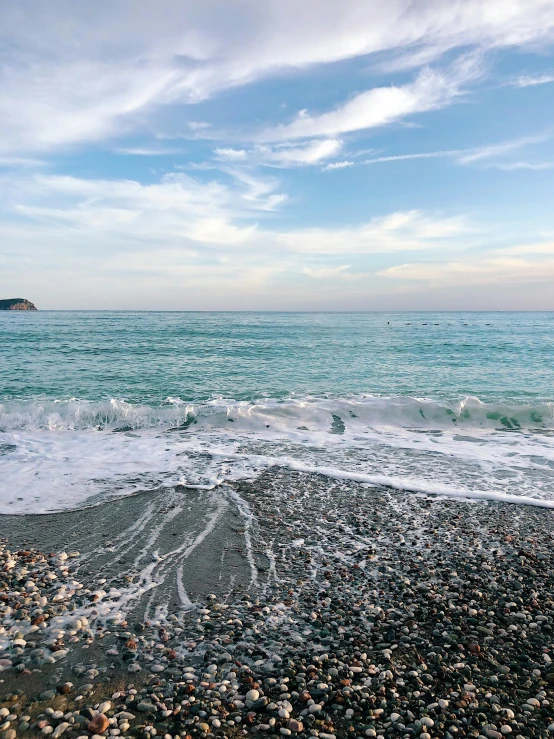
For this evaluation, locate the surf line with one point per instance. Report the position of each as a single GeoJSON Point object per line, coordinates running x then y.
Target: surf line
{"type": "Point", "coordinates": [396, 483]}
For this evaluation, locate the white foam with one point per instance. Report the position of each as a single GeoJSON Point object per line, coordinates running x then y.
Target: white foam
{"type": "Point", "coordinates": [416, 486]}
{"type": "Point", "coordinates": [52, 463]}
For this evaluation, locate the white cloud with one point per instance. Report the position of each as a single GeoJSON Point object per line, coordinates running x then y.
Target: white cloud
{"type": "Point", "coordinates": [420, 155]}
{"type": "Point", "coordinates": [499, 150]}
{"type": "Point", "coordinates": [383, 105]}
{"type": "Point", "coordinates": [257, 192]}
{"type": "Point", "coordinates": [122, 214]}
{"type": "Point", "coordinates": [182, 211]}
{"type": "Point", "coordinates": [489, 156]}
{"type": "Point", "coordinates": [17, 162]}
{"type": "Point", "coordinates": [530, 81]}
{"type": "Point", "coordinates": [283, 155]}
{"type": "Point", "coordinates": [402, 231]}
{"type": "Point", "coordinates": [323, 273]}
{"type": "Point", "coordinates": [233, 155]}
{"type": "Point", "coordinates": [339, 165]}
{"type": "Point", "coordinates": [496, 270]}
{"type": "Point", "coordinates": [146, 152]}
{"type": "Point", "coordinates": [515, 166]}
{"type": "Point", "coordinates": [541, 247]}
{"type": "Point", "coordinates": [214, 243]}
{"type": "Point", "coordinates": [74, 72]}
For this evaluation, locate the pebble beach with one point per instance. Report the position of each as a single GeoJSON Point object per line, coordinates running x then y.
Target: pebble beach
{"type": "Point", "coordinates": [325, 608]}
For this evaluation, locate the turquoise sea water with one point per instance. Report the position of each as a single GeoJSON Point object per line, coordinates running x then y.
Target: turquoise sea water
{"type": "Point", "coordinates": [148, 357]}
{"type": "Point", "coordinates": [456, 400]}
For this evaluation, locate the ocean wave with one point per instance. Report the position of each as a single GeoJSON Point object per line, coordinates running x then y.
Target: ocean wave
{"type": "Point", "coordinates": [325, 415]}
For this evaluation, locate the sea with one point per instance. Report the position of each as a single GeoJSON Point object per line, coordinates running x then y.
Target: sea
{"type": "Point", "coordinates": [99, 405]}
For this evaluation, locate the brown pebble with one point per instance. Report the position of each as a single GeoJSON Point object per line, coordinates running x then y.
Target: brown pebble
{"type": "Point", "coordinates": [98, 724]}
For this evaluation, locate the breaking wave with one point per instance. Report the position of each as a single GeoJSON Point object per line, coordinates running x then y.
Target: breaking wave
{"type": "Point", "coordinates": [335, 415]}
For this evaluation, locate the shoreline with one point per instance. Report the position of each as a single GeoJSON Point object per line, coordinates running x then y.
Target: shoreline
{"type": "Point", "coordinates": [349, 610]}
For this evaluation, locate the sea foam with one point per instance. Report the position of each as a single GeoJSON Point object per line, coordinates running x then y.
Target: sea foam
{"type": "Point", "coordinates": [66, 454]}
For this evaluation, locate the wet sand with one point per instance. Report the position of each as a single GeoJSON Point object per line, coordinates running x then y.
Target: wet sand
{"type": "Point", "coordinates": [185, 542]}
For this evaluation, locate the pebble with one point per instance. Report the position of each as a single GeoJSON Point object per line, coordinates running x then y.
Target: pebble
{"type": "Point", "coordinates": [98, 724]}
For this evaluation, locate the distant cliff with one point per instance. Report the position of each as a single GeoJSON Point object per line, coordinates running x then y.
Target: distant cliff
{"type": "Point", "coordinates": [16, 304]}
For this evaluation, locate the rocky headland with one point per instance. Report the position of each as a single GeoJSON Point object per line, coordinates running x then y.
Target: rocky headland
{"type": "Point", "coordinates": [16, 304]}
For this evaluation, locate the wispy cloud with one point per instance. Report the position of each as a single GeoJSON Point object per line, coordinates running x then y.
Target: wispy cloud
{"type": "Point", "coordinates": [381, 106]}
{"type": "Point", "coordinates": [14, 162]}
{"type": "Point", "coordinates": [496, 151]}
{"type": "Point", "coordinates": [146, 151]}
{"type": "Point", "coordinates": [215, 238]}
{"type": "Point", "coordinates": [420, 155]}
{"type": "Point", "coordinates": [540, 247]}
{"type": "Point", "coordinates": [515, 166]}
{"type": "Point", "coordinates": [62, 84]}
{"type": "Point", "coordinates": [500, 270]}
{"type": "Point", "coordinates": [339, 165]}
{"type": "Point", "coordinates": [488, 156]}
{"type": "Point", "coordinates": [402, 231]}
{"type": "Point", "coordinates": [181, 210]}
{"type": "Point", "coordinates": [525, 80]}
{"type": "Point", "coordinates": [324, 273]}
{"type": "Point", "coordinates": [113, 214]}
{"type": "Point", "coordinates": [283, 155]}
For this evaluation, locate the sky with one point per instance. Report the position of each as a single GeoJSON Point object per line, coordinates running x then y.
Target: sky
{"type": "Point", "coordinates": [277, 155]}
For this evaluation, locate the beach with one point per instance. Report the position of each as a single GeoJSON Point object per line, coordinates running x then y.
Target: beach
{"type": "Point", "coordinates": [295, 604]}
{"type": "Point", "coordinates": [225, 525]}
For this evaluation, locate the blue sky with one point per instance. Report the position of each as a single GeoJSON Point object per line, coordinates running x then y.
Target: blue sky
{"type": "Point", "coordinates": [278, 155]}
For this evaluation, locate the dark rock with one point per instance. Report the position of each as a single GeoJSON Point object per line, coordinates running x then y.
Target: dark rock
{"type": "Point", "coordinates": [47, 695]}
{"type": "Point", "coordinates": [16, 304]}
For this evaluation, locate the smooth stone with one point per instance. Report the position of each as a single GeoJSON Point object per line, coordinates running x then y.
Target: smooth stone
{"type": "Point", "coordinates": [99, 724]}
